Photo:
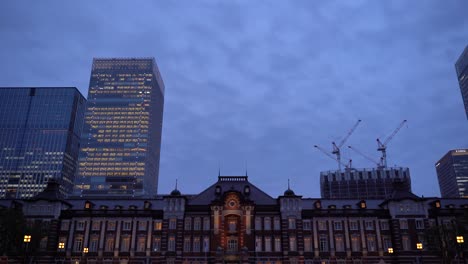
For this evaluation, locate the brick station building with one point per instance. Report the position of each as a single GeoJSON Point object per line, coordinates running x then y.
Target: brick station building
{"type": "Point", "coordinates": [233, 221]}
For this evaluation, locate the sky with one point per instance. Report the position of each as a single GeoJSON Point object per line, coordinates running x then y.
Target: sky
{"type": "Point", "coordinates": [254, 85]}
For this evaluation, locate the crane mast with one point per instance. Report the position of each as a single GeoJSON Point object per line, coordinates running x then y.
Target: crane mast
{"type": "Point", "coordinates": [337, 148]}
{"type": "Point", "coordinates": [382, 147]}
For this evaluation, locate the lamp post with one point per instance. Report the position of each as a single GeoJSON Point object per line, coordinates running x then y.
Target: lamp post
{"type": "Point", "coordinates": [419, 246]}
{"type": "Point", "coordinates": [390, 253]}
{"type": "Point", "coordinates": [460, 242]}
{"type": "Point", "coordinates": [85, 251]}
{"type": "Point", "coordinates": [26, 240]}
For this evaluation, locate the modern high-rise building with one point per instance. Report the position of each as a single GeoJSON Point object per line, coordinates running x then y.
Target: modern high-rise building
{"type": "Point", "coordinates": [40, 132]}
{"type": "Point", "coordinates": [461, 67]}
{"type": "Point", "coordinates": [122, 129]}
{"type": "Point", "coordinates": [371, 183]}
{"type": "Point", "coordinates": [452, 172]}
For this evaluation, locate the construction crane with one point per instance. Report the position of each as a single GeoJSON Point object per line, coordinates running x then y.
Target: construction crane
{"type": "Point", "coordinates": [378, 164]}
{"type": "Point", "coordinates": [347, 166]}
{"type": "Point", "coordinates": [382, 147]}
{"type": "Point", "coordinates": [336, 148]}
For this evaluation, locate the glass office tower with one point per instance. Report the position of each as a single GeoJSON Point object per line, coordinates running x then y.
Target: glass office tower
{"type": "Point", "coordinates": [122, 130]}
{"type": "Point", "coordinates": [462, 73]}
{"type": "Point", "coordinates": [452, 172]}
{"type": "Point", "coordinates": [39, 139]}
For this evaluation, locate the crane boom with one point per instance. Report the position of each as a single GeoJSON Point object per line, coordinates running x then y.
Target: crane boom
{"type": "Point", "coordinates": [349, 134]}
{"type": "Point", "coordinates": [331, 157]}
{"type": "Point", "coordinates": [382, 147]}
{"type": "Point", "coordinates": [366, 156]}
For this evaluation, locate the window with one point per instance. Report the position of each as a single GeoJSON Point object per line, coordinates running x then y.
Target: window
{"type": "Point", "coordinates": [419, 224]}
{"type": "Point", "coordinates": [355, 243]}
{"type": "Point", "coordinates": [127, 225]}
{"type": "Point", "coordinates": [141, 244]}
{"type": "Point", "coordinates": [206, 244]}
{"type": "Point", "coordinates": [403, 224]}
{"type": "Point", "coordinates": [292, 243]}
{"type": "Point", "coordinates": [172, 223]}
{"type": "Point", "coordinates": [323, 243]}
{"type": "Point", "coordinates": [96, 226]}
{"type": "Point", "coordinates": [232, 225]}
{"type": "Point", "coordinates": [188, 223]}
{"type": "Point", "coordinates": [232, 245]}
{"type": "Point", "coordinates": [339, 243]}
{"type": "Point", "coordinates": [307, 244]}
{"type": "Point", "coordinates": [43, 243]}
{"type": "Point", "coordinates": [405, 240]}
{"type": "Point", "coordinates": [142, 226]}
{"type": "Point", "coordinates": [306, 225]}
{"type": "Point", "coordinates": [384, 225]}
{"type": "Point", "coordinates": [369, 225]}
{"type": "Point", "coordinates": [258, 243]}
{"type": "Point", "coordinates": [276, 223]}
{"type": "Point", "coordinates": [322, 225]}
{"type": "Point", "coordinates": [187, 245]}
{"type": "Point", "coordinates": [78, 245]}
{"type": "Point", "coordinates": [197, 223]}
{"type": "Point", "coordinates": [65, 225]}
{"type": "Point", "coordinates": [353, 225]}
{"type": "Point", "coordinates": [93, 244]}
{"type": "Point", "coordinates": [292, 223]}
{"type": "Point", "coordinates": [371, 243]}
{"type": "Point", "coordinates": [125, 243]}
{"type": "Point", "coordinates": [157, 225]}
{"type": "Point", "coordinates": [206, 223]}
{"type": "Point", "coordinates": [196, 244]}
{"type": "Point", "coordinates": [267, 223]}
{"type": "Point", "coordinates": [171, 244]}
{"type": "Point", "coordinates": [277, 244]}
{"type": "Point", "coordinates": [338, 225]}
{"type": "Point", "coordinates": [258, 223]}
{"type": "Point", "coordinates": [110, 244]}
{"type": "Point", "coordinates": [111, 225]}
{"type": "Point", "coordinates": [80, 225]}
{"type": "Point", "coordinates": [387, 243]}
{"type": "Point", "coordinates": [268, 244]}
{"type": "Point", "coordinates": [157, 243]}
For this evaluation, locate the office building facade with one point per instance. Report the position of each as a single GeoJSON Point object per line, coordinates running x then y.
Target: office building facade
{"type": "Point", "coordinates": [452, 173]}
{"type": "Point", "coordinates": [40, 132]}
{"type": "Point", "coordinates": [234, 221]}
{"type": "Point", "coordinates": [122, 129]}
{"type": "Point", "coordinates": [372, 183]}
{"type": "Point", "coordinates": [461, 67]}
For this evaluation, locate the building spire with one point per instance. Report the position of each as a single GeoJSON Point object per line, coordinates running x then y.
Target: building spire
{"type": "Point", "coordinates": [176, 184]}
{"type": "Point", "coordinates": [288, 185]}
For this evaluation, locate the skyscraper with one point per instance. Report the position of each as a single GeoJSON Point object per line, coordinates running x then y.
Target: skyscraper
{"type": "Point", "coordinates": [364, 183]}
{"type": "Point", "coordinates": [452, 172]}
{"type": "Point", "coordinates": [461, 67]}
{"type": "Point", "coordinates": [122, 129]}
{"type": "Point", "coordinates": [39, 139]}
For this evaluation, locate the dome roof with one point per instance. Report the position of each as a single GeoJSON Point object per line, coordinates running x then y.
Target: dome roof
{"type": "Point", "coordinates": [175, 192]}
{"type": "Point", "coordinates": [289, 192]}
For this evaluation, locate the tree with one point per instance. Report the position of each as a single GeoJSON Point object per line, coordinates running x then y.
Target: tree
{"type": "Point", "coordinates": [12, 230]}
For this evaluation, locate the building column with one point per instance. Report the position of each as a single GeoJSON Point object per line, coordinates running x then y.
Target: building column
{"type": "Point", "coordinates": [379, 238]}
{"type": "Point", "coordinates": [102, 238]}
{"type": "Point", "coordinates": [133, 239]}
{"type": "Point", "coordinates": [316, 245]}
{"type": "Point", "coordinates": [70, 238]}
{"type": "Point", "coordinates": [348, 244]}
{"type": "Point", "coordinates": [149, 238]}
{"type": "Point", "coordinates": [331, 238]}
{"type": "Point", "coordinates": [117, 239]}
{"type": "Point", "coordinates": [363, 238]}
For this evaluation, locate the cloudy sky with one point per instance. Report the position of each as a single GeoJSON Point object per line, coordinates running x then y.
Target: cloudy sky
{"type": "Point", "coordinates": [256, 84]}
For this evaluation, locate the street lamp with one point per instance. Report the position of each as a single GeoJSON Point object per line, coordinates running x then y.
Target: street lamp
{"type": "Point", "coordinates": [26, 240]}
{"type": "Point", "coordinates": [460, 242]}
{"type": "Point", "coordinates": [419, 246]}
{"type": "Point", "coordinates": [85, 250]}
{"type": "Point", "coordinates": [390, 250]}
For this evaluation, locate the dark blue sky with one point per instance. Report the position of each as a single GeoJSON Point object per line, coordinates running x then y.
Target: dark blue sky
{"type": "Point", "coordinates": [261, 82]}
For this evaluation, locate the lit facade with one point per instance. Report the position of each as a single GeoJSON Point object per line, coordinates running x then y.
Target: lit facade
{"type": "Point", "coordinates": [233, 221]}
{"type": "Point", "coordinates": [452, 172]}
{"type": "Point", "coordinates": [39, 138]}
{"type": "Point", "coordinates": [373, 183]}
{"type": "Point", "coordinates": [122, 132]}
{"type": "Point", "coordinates": [461, 67]}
